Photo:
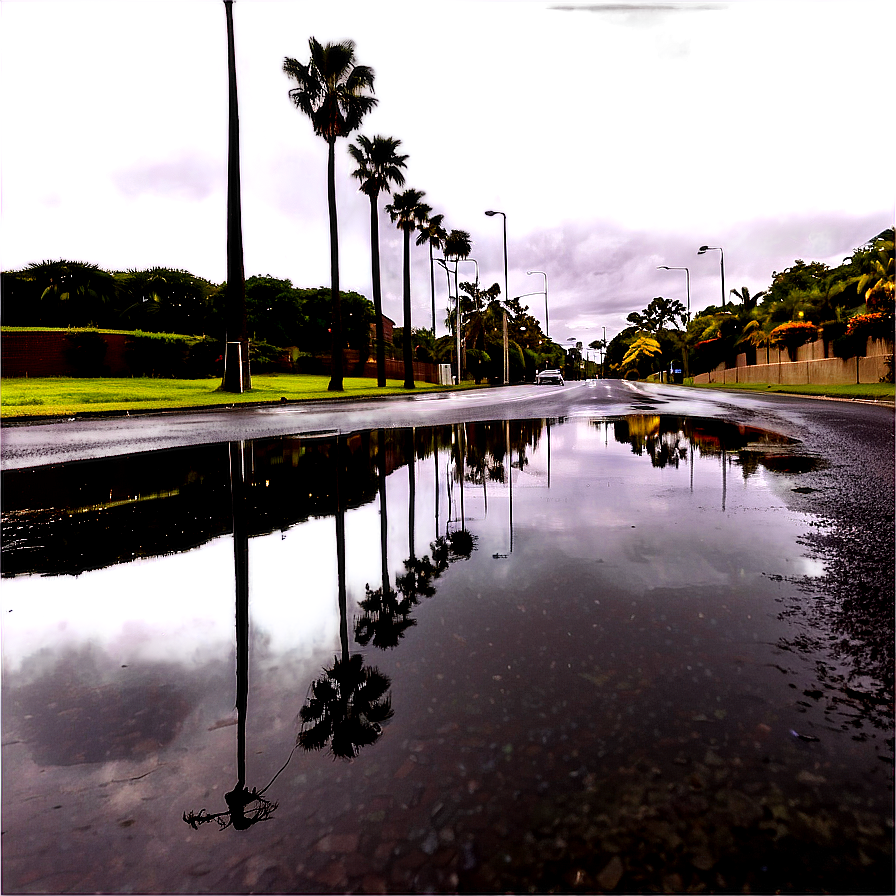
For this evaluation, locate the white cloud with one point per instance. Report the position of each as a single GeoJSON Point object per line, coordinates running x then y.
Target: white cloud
{"type": "Point", "coordinates": [608, 139]}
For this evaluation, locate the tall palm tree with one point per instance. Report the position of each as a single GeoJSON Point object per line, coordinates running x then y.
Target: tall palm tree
{"type": "Point", "coordinates": [408, 212]}
{"type": "Point", "coordinates": [379, 166]}
{"type": "Point", "coordinates": [334, 93]}
{"type": "Point", "coordinates": [457, 246]}
{"type": "Point", "coordinates": [435, 235]}
{"type": "Point", "coordinates": [236, 364]}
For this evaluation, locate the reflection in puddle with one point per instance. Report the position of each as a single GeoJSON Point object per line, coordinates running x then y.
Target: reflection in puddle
{"type": "Point", "coordinates": [492, 656]}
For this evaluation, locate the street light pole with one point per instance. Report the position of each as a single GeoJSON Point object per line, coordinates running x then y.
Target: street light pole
{"type": "Point", "coordinates": [665, 267]}
{"type": "Point", "coordinates": [543, 274]}
{"type": "Point", "coordinates": [704, 249]}
{"type": "Point", "coordinates": [491, 214]}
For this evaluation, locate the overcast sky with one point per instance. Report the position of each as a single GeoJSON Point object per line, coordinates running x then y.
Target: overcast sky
{"type": "Point", "coordinates": [616, 137]}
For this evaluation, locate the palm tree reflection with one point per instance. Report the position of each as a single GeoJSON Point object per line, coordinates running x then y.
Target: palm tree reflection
{"type": "Point", "coordinates": [387, 612]}
{"type": "Point", "coordinates": [385, 618]}
{"type": "Point", "coordinates": [347, 705]}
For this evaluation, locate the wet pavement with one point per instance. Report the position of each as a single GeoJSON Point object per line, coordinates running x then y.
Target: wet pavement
{"type": "Point", "coordinates": [630, 653]}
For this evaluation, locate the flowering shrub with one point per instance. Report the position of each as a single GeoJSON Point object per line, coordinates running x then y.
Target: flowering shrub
{"type": "Point", "coordinates": [874, 326]}
{"type": "Point", "coordinates": [793, 334]}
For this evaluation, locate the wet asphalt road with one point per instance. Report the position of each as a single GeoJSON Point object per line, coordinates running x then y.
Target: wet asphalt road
{"type": "Point", "coordinates": [850, 488]}
{"type": "Point", "coordinates": [36, 444]}
{"type": "Point", "coordinates": [845, 631]}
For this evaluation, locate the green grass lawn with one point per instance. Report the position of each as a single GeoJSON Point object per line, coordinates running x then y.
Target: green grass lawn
{"type": "Point", "coordinates": [867, 391]}
{"type": "Point", "coordinates": [22, 397]}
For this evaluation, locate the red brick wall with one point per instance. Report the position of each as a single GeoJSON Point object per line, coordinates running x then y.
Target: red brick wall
{"type": "Point", "coordinates": [43, 353]}
{"type": "Point", "coordinates": [424, 371]}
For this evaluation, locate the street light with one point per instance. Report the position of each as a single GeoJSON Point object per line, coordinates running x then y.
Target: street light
{"type": "Point", "coordinates": [665, 267]}
{"type": "Point", "coordinates": [704, 249]}
{"type": "Point", "coordinates": [491, 214]}
{"type": "Point", "coordinates": [543, 274]}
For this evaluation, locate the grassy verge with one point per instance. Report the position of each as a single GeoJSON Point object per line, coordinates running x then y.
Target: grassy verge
{"type": "Point", "coordinates": [67, 397]}
{"type": "Point", "coordinates": [866, 391]}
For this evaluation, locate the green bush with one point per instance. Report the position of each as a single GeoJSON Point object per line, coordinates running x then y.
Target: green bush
{"type": "Point", "coordinates": [707, 355]}
{"type": "Point", "coordinates": [266, 358]}
{"type": "Point", "coordinates": [478, 364]}
{"type": "Point", "coordinates": [848, 346]}
{"type": "Point", "coordinates": [205, 358]}
{"type": "Point", "coordinates": [832, 330]}
{"type": "Point", "coordinates": [86, 350]}
{"type": "Point", "coordinates": [158, 354]}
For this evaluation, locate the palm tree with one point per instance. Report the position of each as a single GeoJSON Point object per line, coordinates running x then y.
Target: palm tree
{"type": "Point", "coordinates": [408, 212]}
{"type": "Point", "coordinates": [875, 283]}
{"type": "Point", "coordinates": [482, 314]}
{"type": "Point", "coordinates": [754, 335]}
{"type": "Point", "coordinates": [333, 92]}
{"type": "Point", "coordinates": [435, 235]}
{"type": "Point", "coordinates": [457, 246]}
{"type": "Point", "coordinates": [236, 368]}
{"type": "Point", "coordinates": [379, 166]}
{"type": "Point", "coordinates": [747, 300]}
{"type": "Point", "coordinates": [71, 291]}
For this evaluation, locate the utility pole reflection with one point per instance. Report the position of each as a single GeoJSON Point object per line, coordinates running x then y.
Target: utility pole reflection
{"type": "Point", "coordinates": [244, 807]}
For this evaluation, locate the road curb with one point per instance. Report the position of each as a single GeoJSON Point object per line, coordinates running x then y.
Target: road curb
{"type": "Point", "coordinates": [429, 394]}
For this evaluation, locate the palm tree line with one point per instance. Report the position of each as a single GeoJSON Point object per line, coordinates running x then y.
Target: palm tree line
{"type": "Point", "coordinates": [335, 92]}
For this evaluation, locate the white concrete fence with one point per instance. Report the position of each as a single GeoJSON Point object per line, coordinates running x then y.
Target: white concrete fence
{"type": "Point", "coordinates": [811, 366]}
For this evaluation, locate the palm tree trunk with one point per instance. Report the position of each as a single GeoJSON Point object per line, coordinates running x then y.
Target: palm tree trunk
{"type": "Point", "coordinates": [337, 365]}
{"type": "Point", "coordinates": [340, 553]}
{"type": "Point", "coordinates": [412, 494]}
{"type": "Point", "coordinates": [377, 293]}
{"type": "Point", "coordinates": [384, 522]}
{"type": "Point", "coordinates": [406, 294]}
{"type": "Point", "coordinates": [241, 574]}
{"type": "Point", "coordinates": [236, 364]}
{"type": "Point", "coordinates": [432, 286]}
{"type": "Point", "coordinates": [458, 325]}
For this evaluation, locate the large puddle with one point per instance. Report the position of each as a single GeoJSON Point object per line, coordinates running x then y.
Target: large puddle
{"type": "Point", "coordinates": [529, 656]}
